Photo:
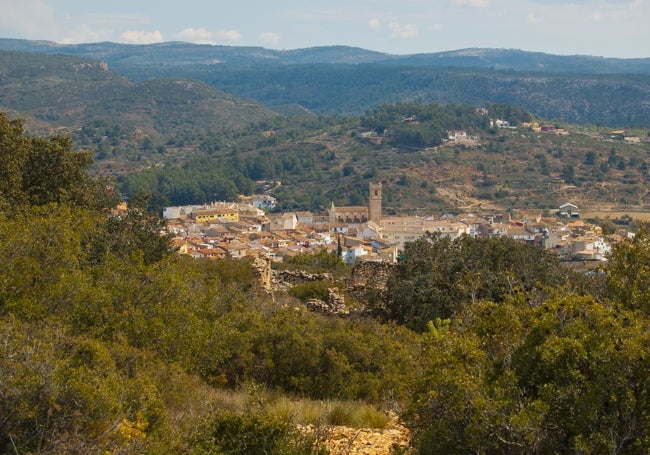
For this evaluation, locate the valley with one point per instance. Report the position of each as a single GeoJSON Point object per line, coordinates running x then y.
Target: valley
{"type": "Point", "coordinates": [361, 269]}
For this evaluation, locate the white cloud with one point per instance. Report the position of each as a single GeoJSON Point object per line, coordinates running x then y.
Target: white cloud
{"type": "Point", "coordinates": [142, 37]}
{"type": "Point", "coordinates": [196, 35]}
{"type": "Point", "coordinates": [229, 35]}
{"type": "Point", "coordinates": [471, 3]}
{"type": "Point", "coordinates": [39, 19]}
{"type": "Point", "coordinates": [85, 34]}
{"type": "Point", "coordinates": [269, 38]}
{"type": "Point", "coordinates": [374, 23]}
{"type": "Point", "coordinates": [399, 30]}
{"type": "Point", "coordinates": [534, 18]}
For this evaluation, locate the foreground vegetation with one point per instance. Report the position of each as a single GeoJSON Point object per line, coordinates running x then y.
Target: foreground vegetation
{"type": "Point", "coordinates": [111, 343]}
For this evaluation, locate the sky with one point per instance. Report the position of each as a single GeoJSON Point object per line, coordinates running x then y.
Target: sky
{"type": "Point", "coordinates": [607, 28]}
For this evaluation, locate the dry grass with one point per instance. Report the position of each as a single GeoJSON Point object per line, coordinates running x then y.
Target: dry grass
{"type": "Point", "coordinates": [256, 399]}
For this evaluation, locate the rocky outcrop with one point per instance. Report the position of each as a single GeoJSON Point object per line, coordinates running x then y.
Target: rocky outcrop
{"type": "Point", "coordinates": [352, 441]}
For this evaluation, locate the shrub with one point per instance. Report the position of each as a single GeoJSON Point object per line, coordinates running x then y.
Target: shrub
{"type": "Point", "coordinates": [235, 434]}
{"type": "Point", "coordinates": [313, 290]}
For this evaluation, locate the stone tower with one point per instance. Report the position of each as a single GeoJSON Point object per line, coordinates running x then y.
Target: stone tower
{"type": "Point", "coordinates": [374, 212]}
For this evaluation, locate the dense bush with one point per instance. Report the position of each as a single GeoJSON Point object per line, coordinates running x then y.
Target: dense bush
{"type": "Point", "coordinates": [237, 434]}
{"type": "Point", "coordinates": [567, 376]}
{"type": "Point", "coordinates": [437, 277]}
{"type": "Point", "coordinates": [312, 290]}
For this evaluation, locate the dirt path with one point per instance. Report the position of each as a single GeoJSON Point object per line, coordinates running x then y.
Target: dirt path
{"type": "Point", "coordinates": [365, 441]}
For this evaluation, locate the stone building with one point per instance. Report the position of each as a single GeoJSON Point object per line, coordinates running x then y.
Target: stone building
{"type": "Point", "coordinates": [375, 203]}
{"type": "Point", "coordinates": [348, 215]}
{"type": "Point", "coordinates": [359, 214]}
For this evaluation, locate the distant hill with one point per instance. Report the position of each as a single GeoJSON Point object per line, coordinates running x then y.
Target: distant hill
{"type": "Point", "coordinates": [183, 53]}
{"type": "Point", "coordinates": [61, 92]}
{"type": "Point", "coordinates": [518, 60]}
{"type": "Point", "coordinates": [342, 80]}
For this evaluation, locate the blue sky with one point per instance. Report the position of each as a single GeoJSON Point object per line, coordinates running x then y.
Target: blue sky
{"type": "Point", "coordinates": [609, 28]}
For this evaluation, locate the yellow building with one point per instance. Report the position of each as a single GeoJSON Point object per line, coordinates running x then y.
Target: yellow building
{"type": "Point", "coordinates": [211, 215]}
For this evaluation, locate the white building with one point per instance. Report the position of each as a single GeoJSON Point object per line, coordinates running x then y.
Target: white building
{"type": "Point", "coordinates": [264, 201]}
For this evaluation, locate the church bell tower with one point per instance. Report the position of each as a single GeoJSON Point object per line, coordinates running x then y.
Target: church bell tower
{"type": "Point", "coordinates": [374, 211]}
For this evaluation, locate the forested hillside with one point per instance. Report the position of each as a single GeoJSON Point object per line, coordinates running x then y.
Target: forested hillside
{"type": "Point", "coordinates": [334, 89]}
{"type": "Point", "coordinates": [406, 147]}
{"type": "Point", "coordinates": [184, 53]}
{"type": "Point", "coordinates": [111, 343]}
{"type": "Point", "coordinates": [122, 120]}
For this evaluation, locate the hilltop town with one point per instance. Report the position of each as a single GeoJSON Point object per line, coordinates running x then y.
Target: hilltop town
{"type": "Point", "coordinates": [362, 233]}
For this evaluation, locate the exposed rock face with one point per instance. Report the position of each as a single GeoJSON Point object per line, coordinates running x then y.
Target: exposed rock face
{"type": "Point", "coordinates": [352, 441]}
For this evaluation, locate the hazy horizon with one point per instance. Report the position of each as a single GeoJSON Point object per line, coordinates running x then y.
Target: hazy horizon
{"type": "Point", "coordinates": [602, 28]}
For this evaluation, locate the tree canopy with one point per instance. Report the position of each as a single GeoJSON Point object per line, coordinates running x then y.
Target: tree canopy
{"type": "Point", "coordinates": [438, 276]}
{"type": "Point", "coordinates": [37, 171]}
{"type": "Point", "coordinates": [565, 372]}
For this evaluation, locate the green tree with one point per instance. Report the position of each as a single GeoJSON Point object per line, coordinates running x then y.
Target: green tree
{"type": "Point", "coordinates": [37, 171]}
{"type": "Point", "coordinates": [135, 231]}
{"type": "Point", "coordinates": [628, 272]}
{"type": "Point", "coordinates": [42, 249]}
{"type": "Point", "coordinates": [438, 276]}
{"type": "Point", "coordinates": [568, 173]}
{"type": "Point", "coordinates": [419, 289]}
{"type": "Point", "coordinates": [567, 376]}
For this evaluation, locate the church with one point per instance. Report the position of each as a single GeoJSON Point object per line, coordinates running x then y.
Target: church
{"type": "Point", "coordinates": [359, 214]}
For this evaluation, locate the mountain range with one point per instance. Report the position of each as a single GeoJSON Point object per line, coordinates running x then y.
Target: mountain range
{"type": "Point", "coordinates": [340, 80]}
{"type": "Point", "coordinates": [183, 53]}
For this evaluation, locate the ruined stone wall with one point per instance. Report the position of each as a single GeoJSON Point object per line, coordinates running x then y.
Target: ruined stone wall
{"type": "Point", "coordinates": [269, 280]}
{"type": "Point", "coordinates": [262, 273]}
{"type": "Point", "coordinates": [367, 284]}
{"type": "Point", "coordinates": [368, 280]}
{"type": "Point", "coordinates": [284, 279]}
